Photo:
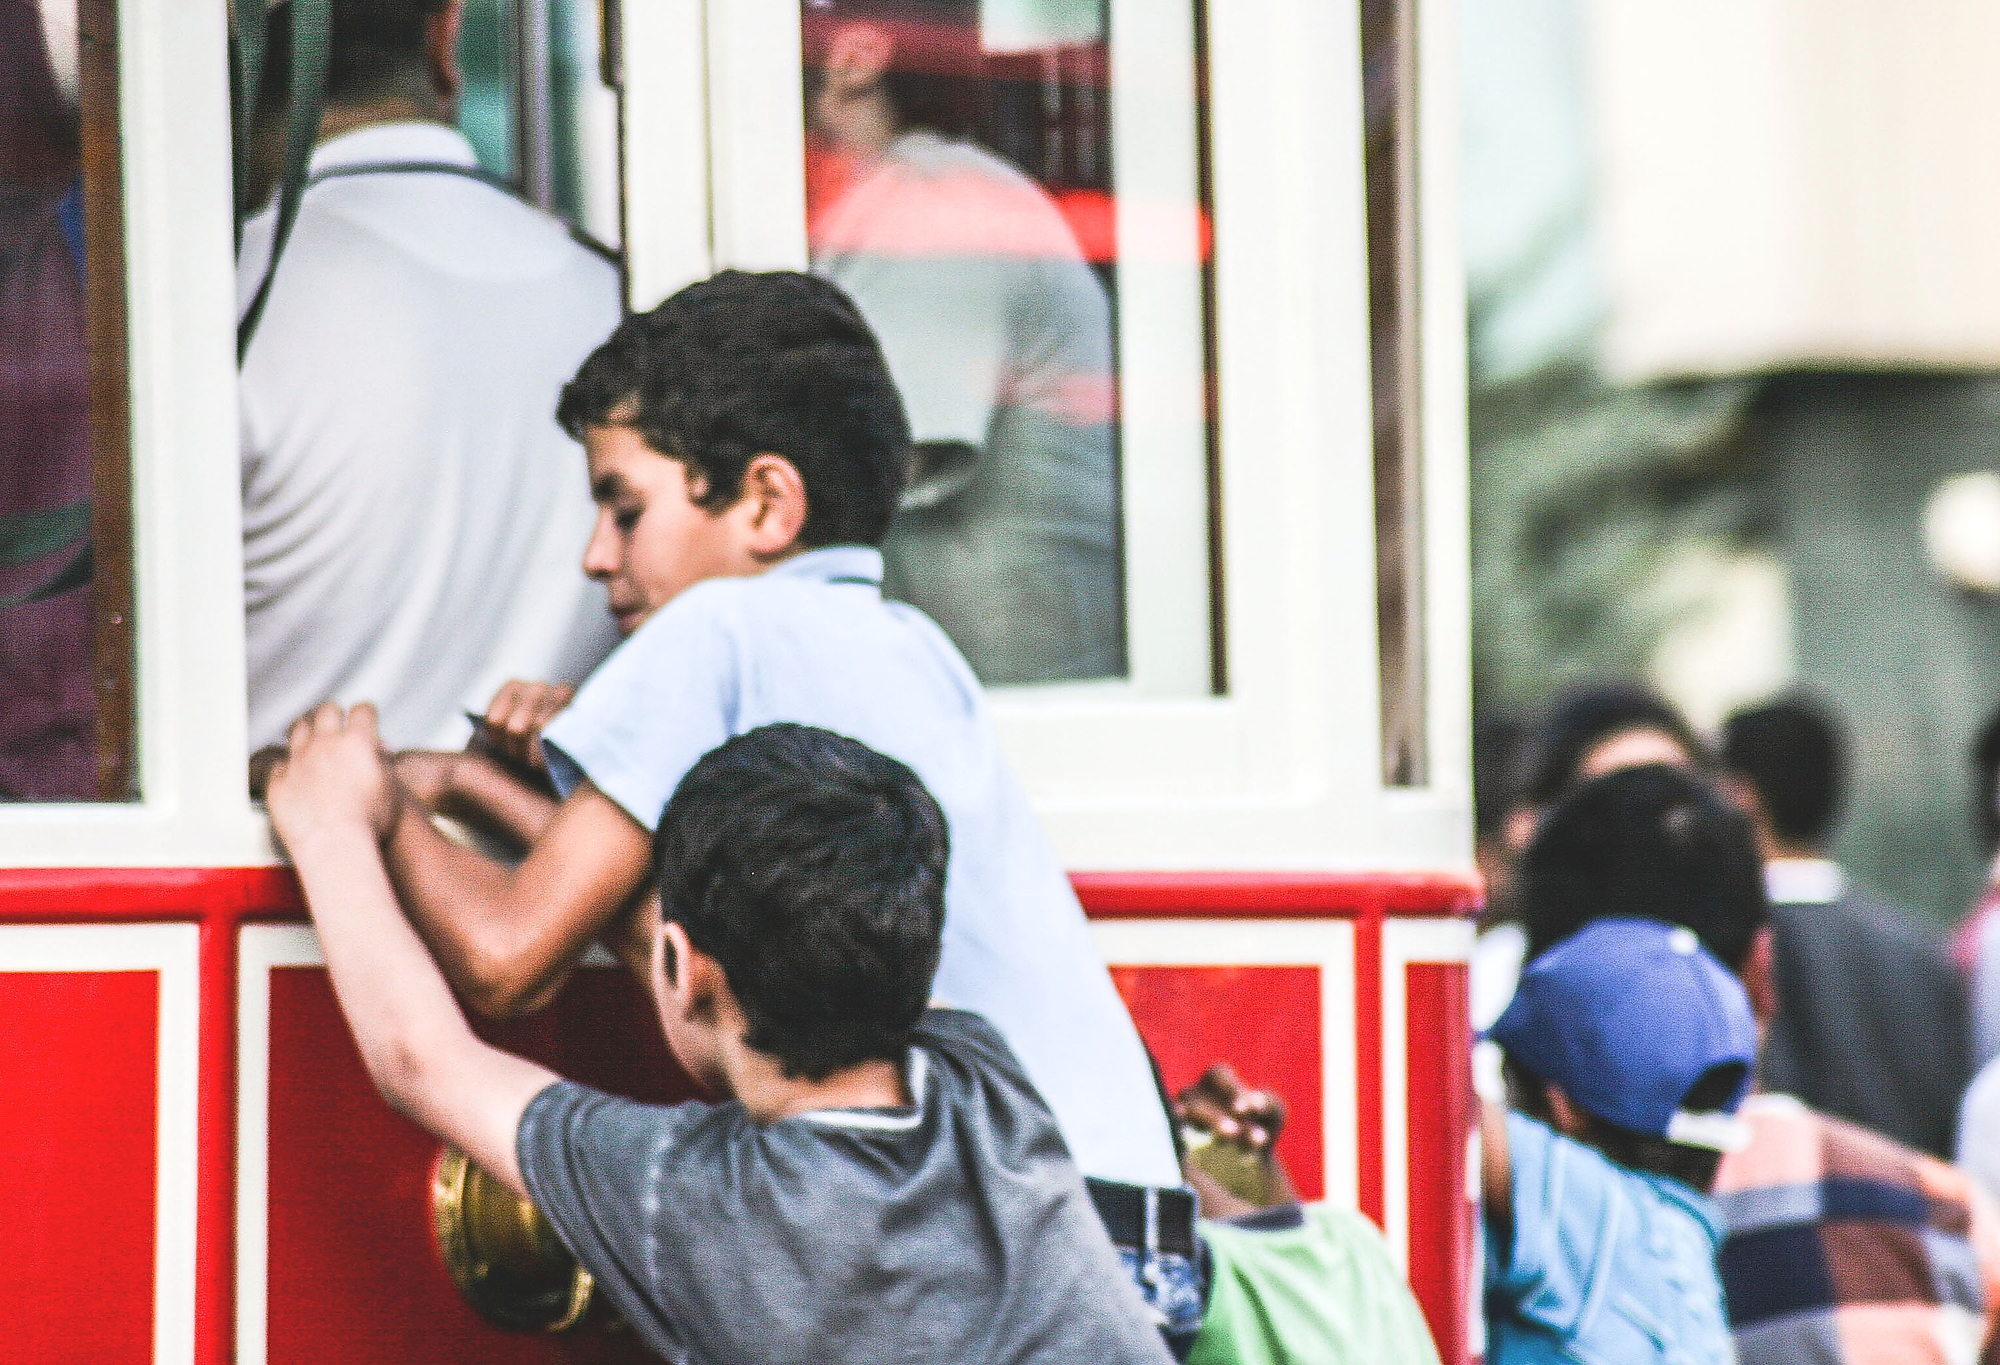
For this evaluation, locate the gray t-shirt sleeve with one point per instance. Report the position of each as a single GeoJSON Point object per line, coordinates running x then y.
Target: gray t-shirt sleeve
{"type": "Point", "coordinates": [663, 699]}
{"type": "Point", "coordinates": [593, 1163]}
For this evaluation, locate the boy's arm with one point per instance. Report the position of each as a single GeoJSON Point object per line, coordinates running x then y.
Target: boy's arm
{"type": "Point", "coordinates": [331, 801]}
{"type": "Point", "coordinates": [505, 936]}
{"type": "Point", "coordinates": [477, 790]}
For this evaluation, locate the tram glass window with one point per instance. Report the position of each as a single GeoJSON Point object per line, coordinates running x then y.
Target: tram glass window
{"type": "Point", "coordinates": [1388, 53]}
{"type": "Point", "coordinates": [536, 107]}
{"type": "Point", "coordinates": [66, 703]}
{"type": "Point", "coordinates": [1029, 275]}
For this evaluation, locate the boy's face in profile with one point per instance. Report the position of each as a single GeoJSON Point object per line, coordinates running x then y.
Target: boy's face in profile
{"type": "Point", "coordinates": [652, 540]}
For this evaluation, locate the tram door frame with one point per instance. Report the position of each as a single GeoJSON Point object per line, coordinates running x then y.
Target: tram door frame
{"type": "Point", "coordinates": [1283, 769]}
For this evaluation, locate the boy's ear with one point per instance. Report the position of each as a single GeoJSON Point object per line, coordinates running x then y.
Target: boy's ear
{"type": "Point", "coordinates": [1760, 976]}
{"type": "Point", "coordinates": [1569, 1120]}
{"type": "Point", "coordinates": [773, 505]}
{"type": "Point", "coordinates": [686, 981]}
{"type": "Point", "coordinates": [668, 968]}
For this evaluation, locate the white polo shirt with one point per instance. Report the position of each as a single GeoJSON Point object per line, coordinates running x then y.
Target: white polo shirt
{"type": "Point", "coordinates": [812, 641]}
{"type": "Point", "coordinates": [413, 518]}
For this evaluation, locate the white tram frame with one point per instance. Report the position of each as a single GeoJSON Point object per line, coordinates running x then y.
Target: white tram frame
{"type": "Point", "coordinates": [1281, 773]}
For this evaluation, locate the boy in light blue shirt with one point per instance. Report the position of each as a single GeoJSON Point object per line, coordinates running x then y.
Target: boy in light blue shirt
{"type": "Point", "coordinates": [1630, 1049]}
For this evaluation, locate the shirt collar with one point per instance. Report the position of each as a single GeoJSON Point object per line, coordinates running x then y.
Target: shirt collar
{"type": "Point", "coordinates": [409, 140]}
{"type": "Point", "coordinates": [834, 564]}
{"type": "Point", "coordinates": [1699, 1206]}
{"type": "Point", "coordinates": [1803, 881]}
{"type": "Point", "coordinates": [901, 1119]}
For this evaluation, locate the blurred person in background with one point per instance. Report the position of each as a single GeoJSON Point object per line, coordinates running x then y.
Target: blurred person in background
{"type": "Point", "coordinates": [1496, 755]}
{"type": "Point", "coordinates": [1979, 1130]}
{"type": "Point", "coordinates": [996, 329]}
{"type": "Point", "coordinates": [48, 712]}
{"type": "Point", "coordinates": [1978, 952]}
{"type": "Point", "coordinates": [1977, 944]}
{"type": "Point", "coordinates": [1843, 1247]}
{"type": "Point", "coordinates": [1629, 1051]}
{"type": "Point", "coordinates": [413, 518]}
{"type": "Point", "coordinates": [1587, 731]}
{"type": "Point", "coordinates": [1872, 1024]}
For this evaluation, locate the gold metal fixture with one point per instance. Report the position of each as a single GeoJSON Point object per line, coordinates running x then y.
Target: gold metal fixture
{"type": "Point", "coordinates": [502, 1254]}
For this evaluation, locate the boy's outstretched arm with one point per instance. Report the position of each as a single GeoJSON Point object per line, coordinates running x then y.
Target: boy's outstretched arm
{"type": "Point", "coordinates": [332, 801]}
{"type": "Point", "coordinates": [473, 788]}
{"type": "Point", "coordinates": [505, 936]}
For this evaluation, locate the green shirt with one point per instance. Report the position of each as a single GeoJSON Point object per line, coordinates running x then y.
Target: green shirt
{"type": "Point", "coordinates": [1324, 1292]}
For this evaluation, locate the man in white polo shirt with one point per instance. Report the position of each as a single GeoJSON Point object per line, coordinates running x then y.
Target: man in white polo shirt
{"type": "Point", "coordinates": [413, 518]}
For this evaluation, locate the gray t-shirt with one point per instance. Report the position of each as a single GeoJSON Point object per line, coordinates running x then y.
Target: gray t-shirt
{"type": "Point", "coordinates": [954, 1230]}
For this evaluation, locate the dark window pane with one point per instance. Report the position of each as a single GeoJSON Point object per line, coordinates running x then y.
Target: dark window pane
{"type": "Point", "coordinates": [66, 702]}
{"type": "Point", "coordinates": [536, 107]}
{"type": "Point", "coordinates": [1389, 59]}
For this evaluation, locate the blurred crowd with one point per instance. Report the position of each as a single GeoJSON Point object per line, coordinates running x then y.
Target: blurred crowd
{"type": "Point", "coordinates": [1830, 1085]}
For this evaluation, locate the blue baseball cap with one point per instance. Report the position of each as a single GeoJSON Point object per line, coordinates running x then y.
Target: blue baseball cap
{"type": "Point", "coordinates": [1626, 1015]}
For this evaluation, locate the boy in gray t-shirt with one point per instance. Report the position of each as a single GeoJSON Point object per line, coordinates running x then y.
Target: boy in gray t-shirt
{"type": "Point", "coordinates": [881, 1184]}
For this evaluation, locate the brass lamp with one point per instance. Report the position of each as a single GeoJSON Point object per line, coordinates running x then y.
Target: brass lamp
{"type": "Point", "coordinates": [502, 1254]}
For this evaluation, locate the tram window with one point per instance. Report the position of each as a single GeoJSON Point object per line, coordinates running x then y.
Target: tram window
{"type": "Point", "coordinates": [66, 702]}
{"type": "Point", "coordinates": [1388, 54]}
{"type": "Point", "coordinates": [965, 187]}
{"type": "Point", "coordinates": [536, 107]}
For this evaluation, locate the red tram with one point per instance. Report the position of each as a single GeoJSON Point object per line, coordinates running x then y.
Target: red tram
{"type": "Point", "coordinates": [1267, 808]}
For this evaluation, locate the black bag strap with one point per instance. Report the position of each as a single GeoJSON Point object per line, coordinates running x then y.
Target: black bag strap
{"type": "Point", "coordinates": [483, 176]}
{"type": "Point", "coordinates": [310, 53]}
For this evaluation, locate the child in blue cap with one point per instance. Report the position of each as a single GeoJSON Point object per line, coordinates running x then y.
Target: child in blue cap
{"type": "Point", "coordinates": [1629, 1049]}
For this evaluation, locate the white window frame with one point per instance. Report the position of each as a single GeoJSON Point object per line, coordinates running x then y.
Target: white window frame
{"type": "Point", "coordinates": [1282, 773]}
{"type": "Point", "coordinates": [1285, 770]}
{"type": "Point", "coordinates": [194, 809]}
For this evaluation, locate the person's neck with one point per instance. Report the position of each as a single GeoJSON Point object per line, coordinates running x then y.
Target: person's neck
{"type": "Point", "coordinates": [860, 128]}
{"type": "Point", "coordinates": [1784, 850]}
{"type": "Point", "coordinates": [338, 120]}
{"type": "Point", "coordinates": [768, 1094]}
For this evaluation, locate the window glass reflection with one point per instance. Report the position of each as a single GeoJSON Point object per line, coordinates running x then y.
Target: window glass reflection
{"type": "Point", "coordinates": [959, 189]}
{"type": "Point", "coordinates": [64, 641]}
{"type": "Point", "coordinates": [537, 110]}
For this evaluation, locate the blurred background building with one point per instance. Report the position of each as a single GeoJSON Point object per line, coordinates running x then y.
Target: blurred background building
{"type": "Point", "coordinates": [1735, 339]}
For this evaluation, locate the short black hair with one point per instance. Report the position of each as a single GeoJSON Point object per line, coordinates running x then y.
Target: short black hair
{"type": "Point", "coordinates": [1655, 843]}
{"type": "Point", "coordinates": [812, 869]}
{"type": "Point", "coordinates": [1793, 753]}
{"type": "Point", "coordinates": [1986, 783]}
{"type": "Point", "coordinates": [1583, 717]}
{"type": "Point", "coordinates": [375, 48]}
{"type": "Point", "coordinates": [741, 364]}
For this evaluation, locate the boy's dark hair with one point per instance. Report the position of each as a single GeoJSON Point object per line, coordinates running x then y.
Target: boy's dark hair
{"type": "Point", "coordinates": [1986, 783]}
{"type": "Point", "coordinates": [741, 364]}
{"type": "Point", "coordinates": [1582, 718]}
{"type": "Point", "coordinates": [375, 50]}
{"type": "Point", "coordinates": [1653, 843]}
{"type": "Point", "coordinates": [1793, 753]}
{"type": "Point", "coordinates": [1694, 1167]}
{"type": "Point", "coordinates": [812, 869]}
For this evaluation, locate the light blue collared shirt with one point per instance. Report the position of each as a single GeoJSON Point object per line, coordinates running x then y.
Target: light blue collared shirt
{"type": "Point", "coordinates": [813, 641]}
